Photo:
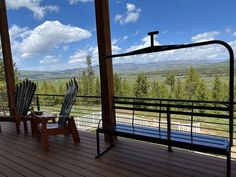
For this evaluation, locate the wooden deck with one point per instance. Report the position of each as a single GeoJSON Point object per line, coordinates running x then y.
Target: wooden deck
{"type": "Point", "coordinates": [22, 155]}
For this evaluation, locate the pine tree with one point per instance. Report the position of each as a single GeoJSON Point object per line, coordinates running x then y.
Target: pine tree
{"type": "Point", "coordinates": [179, 90]}
{"type": "Point", "coordinates": [155, 89]}
{"type": "Point", "coordinates": [87, 79]}
{"type": "Point", "coordinates": [84, 82]}
{"type": "Point", "coordinates": [226, 92]}
{"type": "Point", "coordinates": [163, 91]}
{"type": "Point", "coordinates": [117, 85]}
{"type": "Point", "coordinates": [141, 86]}
{"type": "Point", "coordinates": [170, 81]}
{"type": "Point", "coordinates": [97, 87]}
{"type": "Point", "coordinates": [217, 90]}
{"type": "Point", "coordinates": [90, 76]}
{"type": "Point", "coordinates": [202, 92]}
{"type": "Point", "coordinates": [126, 88]}
{"type": "Point", "coordinates": [2, 75]}
{"type": "Point", "coordinates": [191, 83]}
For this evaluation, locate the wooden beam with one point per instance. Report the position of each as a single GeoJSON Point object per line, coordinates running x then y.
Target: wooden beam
{"type": "Point", "coordinates": [7, 57]}
{"type": "Point", "coordinates": [106, 71]}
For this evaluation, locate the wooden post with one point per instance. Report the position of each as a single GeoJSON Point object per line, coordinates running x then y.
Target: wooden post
{"type": "Point", "coordinates": [7, 57]}
{"type": "Point", "coordinates": [106, 71]}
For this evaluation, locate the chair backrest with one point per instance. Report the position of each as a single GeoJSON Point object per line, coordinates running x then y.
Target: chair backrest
{"type": "Point", "coordinates": [70, 96]}
{"type": "Point", "coordinates": [24, 94]}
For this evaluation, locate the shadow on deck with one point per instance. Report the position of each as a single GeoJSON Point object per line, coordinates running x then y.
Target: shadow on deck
{"type": "Point", "coordinates": [22, 155]}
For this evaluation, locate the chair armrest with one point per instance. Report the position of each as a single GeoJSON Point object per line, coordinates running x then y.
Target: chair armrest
{"type": "Point", "coordinates": [5, 117]}
{"type": "Point", "coordinates": [65, 116]}
{"type": "Point", "coordinates": [44, 117]}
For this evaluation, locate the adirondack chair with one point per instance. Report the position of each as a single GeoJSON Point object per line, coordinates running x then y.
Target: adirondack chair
{"type": "Point", "coordinates": [65, 125]}
{"type": "Point", "coordinates": [24, 94]}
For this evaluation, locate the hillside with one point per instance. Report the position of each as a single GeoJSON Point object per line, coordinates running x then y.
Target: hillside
{"type": "Point", "coordinates": [158, 68]}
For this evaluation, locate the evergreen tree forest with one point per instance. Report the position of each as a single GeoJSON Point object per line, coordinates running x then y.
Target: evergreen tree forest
{"type": "Point", "coordinates": [2, 76]}
{"type": "Point", "coordinates": [191, 86]}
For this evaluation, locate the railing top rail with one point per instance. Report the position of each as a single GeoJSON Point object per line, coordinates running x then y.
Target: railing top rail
{"type": "Point", "coordinates": [147, 99]}
{"type": "Point", "coordinates": [174, 100]}
{"type": "Point", "coordinates": [61, 95]}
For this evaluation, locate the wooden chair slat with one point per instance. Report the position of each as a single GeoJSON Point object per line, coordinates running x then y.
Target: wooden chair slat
{"type": "Point", "coordinates": [23, 97]}
{"type": "Point", "coordinates": [66, 123]}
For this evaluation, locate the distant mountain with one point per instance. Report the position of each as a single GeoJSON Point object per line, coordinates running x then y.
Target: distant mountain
{"type": "Point", "coordinates": [160, 66]}
{"type": "Point", "coordinates": [134, 68]}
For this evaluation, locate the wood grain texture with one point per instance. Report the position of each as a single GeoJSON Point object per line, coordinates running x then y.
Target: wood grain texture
{"type": "Point", "coordinates": [22, 155]}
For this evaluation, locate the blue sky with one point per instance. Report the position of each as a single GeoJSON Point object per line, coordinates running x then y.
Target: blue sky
{"type": "Point", "coordinates": [59, 34]}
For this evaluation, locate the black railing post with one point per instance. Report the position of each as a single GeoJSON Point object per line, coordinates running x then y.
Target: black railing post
{"type": "Point", "coordinates": [37, 103]}
{"type": "Point", "coordinates": [192, 124]}
{"type": "Point", "coordinates": [169, 128]}
{"type": "Point", "coordinates": [133, 113]}
{"type": "Point", "coordinates": [160, 119]}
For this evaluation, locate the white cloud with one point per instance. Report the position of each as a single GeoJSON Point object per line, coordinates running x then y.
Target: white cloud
{"type": "Point", "coordinates": [228, 30]}
{"type": "Point", "coordinates": [33, 5]}
{"type": "Point", "coordinates": [79, 57]}
{"type": "Point", "coordinates": [205, 36]}
{"type": "Point", "coordinates": [46, 36]}
{"type": "Point", "coordinates": [115, 49]}
{"type": "Point", "coordinates": [66, 47]}
{"type": "Point", "coordinates": [74, 2]}
{"type": "Point", "coordinates": [114, 41]}
{"type": "Point", "coordinates": [209, 52]}
{"type": "Point", "coordinates": [130, 7]}
{"type": "Point", "coordinates": [50, 59]}
{"type": "Point", "coordinates": [125, 38]}
{"type": "Point", "coordinates": [131, 16]}
{"type": "Point", "coordinates": [145, 43]}
{"type": "Point", "coordinates": [17, 34]}
{"type": "Point", "coordinates": [165, 32]}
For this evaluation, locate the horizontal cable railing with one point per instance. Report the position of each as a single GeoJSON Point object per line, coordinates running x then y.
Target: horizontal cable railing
{"type": "Point", "coordinates": [186, 115]}
{"type": "Point", "coordinates": [86, 109]}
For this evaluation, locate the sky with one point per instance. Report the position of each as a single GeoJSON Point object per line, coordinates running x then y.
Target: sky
{"type": "Point", "coordinates": [51, 35]}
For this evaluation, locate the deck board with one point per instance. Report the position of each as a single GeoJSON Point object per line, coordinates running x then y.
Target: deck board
{"type": "Point", "coordinates": [23, 155]}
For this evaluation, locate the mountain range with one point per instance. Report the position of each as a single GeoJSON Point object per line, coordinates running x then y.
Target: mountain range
{"type": "Point", "coordinates": [161, 67]}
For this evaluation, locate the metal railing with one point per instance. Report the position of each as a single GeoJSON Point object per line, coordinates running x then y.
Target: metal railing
{"type": "Point", "coordinates": [186, 115]}
{"type": "Point", "coordinates": [86, 109]}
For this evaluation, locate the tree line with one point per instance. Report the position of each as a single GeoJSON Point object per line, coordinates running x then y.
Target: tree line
{"type": "Point", "coordinates": [192, 86]}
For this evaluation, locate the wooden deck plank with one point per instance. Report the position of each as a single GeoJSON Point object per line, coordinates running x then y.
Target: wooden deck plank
{"type": "Point", "coordinates": [74, 153]}
{"type": "Point", "coordinates": [135, 147]}
{"type": "Point", "coordinates": [125, 162]}
{"type": "Point", "coordinates": [4, 157]}
{"type": "Point", "coordinates": [23, 155]}
{"type": "Point", "coordinates": [89, 158]}
{"type": "Point", "coordinates": [48, 165]}
{"type": "Point", "coordinates": [48, 160]}
{"type": "Point", "coordinates": [1, 174]}
{"type": "Point", "coordinates": [7, 171]}
{"type": "Point", "coordinates": [171, 165]}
